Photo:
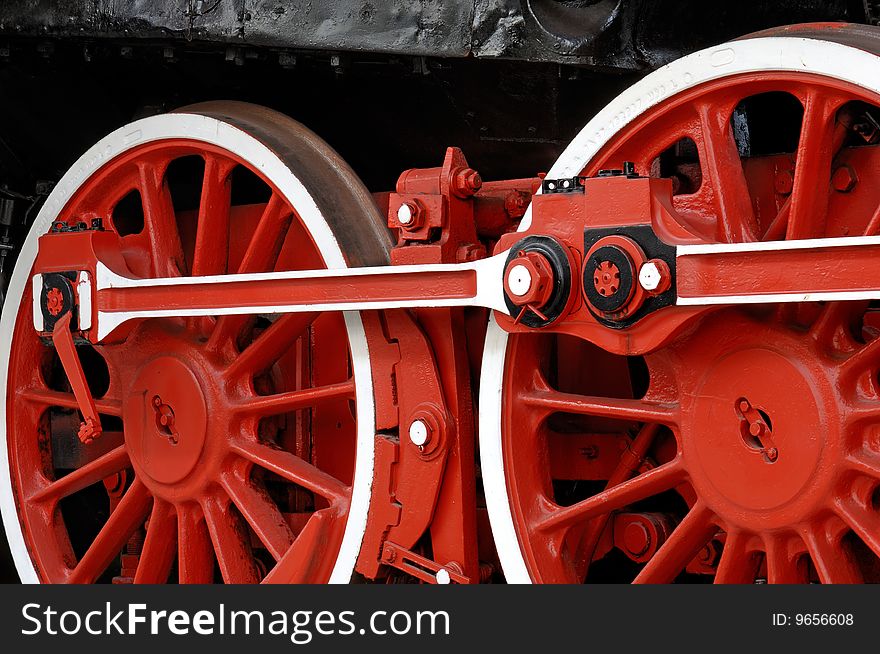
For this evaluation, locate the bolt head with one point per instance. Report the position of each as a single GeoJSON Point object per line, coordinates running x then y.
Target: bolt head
{"type": "Point", "coordinates": [844, 179]}
{"type": "Point", "coordinates": [784, 182]}
{"type": "Point", "coordinates": [649, 276]}
{"type": "Point", "coordinates": [519, 280]}
{"type": "Point", "coordinates": [443, 577]}
{"type": "Point", "coordinates": [406, 214]}
{"type": "Point", "coordinates": [418, 433]}
{"type": "Point", "coordinates": [654, 276]}
{"type": "Point", "coordinates": [636, 538]}
{"type": "Point", "coordinates": [466, 182]}
{"type": "Point", "coordinates": [708, 555]}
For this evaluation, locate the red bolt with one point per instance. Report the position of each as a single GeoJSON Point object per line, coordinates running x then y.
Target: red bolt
{"type": "Point", "coordinates": [709, 554]}
{"type": "Point", "coordinates": [636, 539]}
{"type": "Point", "coordinates": [844, 179]}
{"type": "Point", "coordinates": [388, 555]}
{"type": "Point", "coordinates": [528, 280]}
{"type": "Point", "coordinates": [784, 182]}
{"type": "Point", "coordinates": [466, 182]}
{"type": "Point", "coordinates": [516, 203]}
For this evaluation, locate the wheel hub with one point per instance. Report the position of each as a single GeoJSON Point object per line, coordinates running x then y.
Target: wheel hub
{"type": "Point", "coordinates": [762, 429]}
{"type": "Point", "coordinates": [166, 420]}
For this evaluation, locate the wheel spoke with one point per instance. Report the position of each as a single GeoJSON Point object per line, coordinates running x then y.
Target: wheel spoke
{"type": "Point", "coordinates": [261, 513]}
{"type": "Point", "coordinates": [261, 256]}
{"type": "Point", "coordinates": [195, 554]}
{"type": "Point", "coordinates": [231, 546]}
{"type": "Point", "coordinates": [129, 514]}
{"type": "Point", "coordinates": [212, 232]}
{"type": "Point", "coordinates": [268, 347]}
{"type": "Point", "coordinates": [626, 467]}
{"type": "Point", "coordinates": [305, 398]}
{"type": "Point", "coordinates": [873, 227]}
{"type": "Point", "coordinates": [737, 565]}
{"type": "Point", "coordinates": [864, 463]}
{"type": "Point", "coordinates": [776, 230]}
{"type": "Point", "coordinates": [863, 360]}
{"type": "Point", "coordinates": [265, 246]}
{"type": "Point", "coordinates": [603, 407]}
{"type": "Point", "coordinates": [160, 223]}
{"type": "Point", "coordinates": [834, 564]}
{"type": "Point", "coordinates": [93, 472]}
{"type": "Point", "coordinates": [294, 469]}
{"type": "Point", "coordinates": [723, 166]}
{"type": "Point", "coordinates": [779, 225]}
{"type": "Point", "coordinates": [812, 172]}
{"type": "Point", "coordinates": [306, 555]}
{"type": "Point", "coordinates": [646, 485]}
{"type": "Point", "coordinates": [834, 318]}
{"type": "Point", "coordinates": [781, 568]}
{"type": "Point", "coordinates": [48, 399]}
{"type": "Point", "coordinates": [160, 545]}
{"type": "Point", "coordinates": [686, 540]}
{"type": "Point", "coordinates": [865, 524]}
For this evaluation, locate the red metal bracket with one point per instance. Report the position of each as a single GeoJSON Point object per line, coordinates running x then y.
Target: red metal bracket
{"type": "Point", "coordinates": [422, 568]}
{"type": "Point", "coordinates": [407, 389]}
{"type": "Point", "coordinates": [62, 337]}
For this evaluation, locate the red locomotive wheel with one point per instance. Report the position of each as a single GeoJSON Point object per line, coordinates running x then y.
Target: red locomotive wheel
{"type": "Point", "coordinates": [233, 449]}
{"type": "Point", "coordinates": [746, 448]}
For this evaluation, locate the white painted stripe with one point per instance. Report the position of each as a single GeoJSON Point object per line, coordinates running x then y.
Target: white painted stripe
{"type": "Point", "coordinates": [773, 246]}
{"type": "Point", "coordinates": [770, 298]}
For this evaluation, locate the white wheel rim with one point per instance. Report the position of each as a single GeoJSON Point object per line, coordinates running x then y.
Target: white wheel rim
{"type": "Point", "coordinates": [771, 54]}
{"type": "Point", "coordinates": [215, 132]}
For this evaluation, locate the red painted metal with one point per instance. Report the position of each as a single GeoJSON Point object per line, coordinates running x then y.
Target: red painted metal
{"type": "Point", "coordinates": [541, 276]}
{"type": "Point", "coordinates": [813, 270]}
{"type": "Point", "coordinates": [606, 279]}
{"type": "Point", "coordinates": [406, 380]}
{"type": "Point", "coordinates": [54, 301]}
{"type": "Point", "coordinates": [240, 435]}
{"type": "Point", "coordinates": [754, 425]}
{"type": "Point", "coordinates": [62, 339]}
{"type": "Point", "coordinates": [420, 567]}
{"type": "Point", "coordinates": [732, 442]}
{"type": "Point", "coordinates": [263, 293]}
{"type": "Point", "coordinates": [445, 195]}
{"type": "Point", "coordinates": [422, 372]}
